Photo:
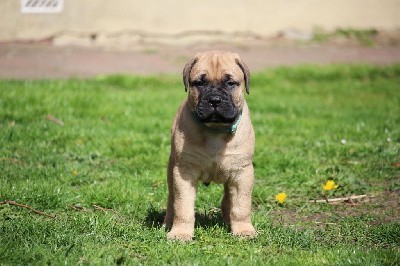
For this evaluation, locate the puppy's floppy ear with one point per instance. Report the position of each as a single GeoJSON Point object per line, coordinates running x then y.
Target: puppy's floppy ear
{"type": "Point", "coordinates": [246, 73]}
{"type": "Point", "coordinates": [186, 72]}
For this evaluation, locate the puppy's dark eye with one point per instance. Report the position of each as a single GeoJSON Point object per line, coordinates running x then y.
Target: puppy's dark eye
{"type": "Point", "coordinates": [200, 83]}
{"type": "Point", "coordinates": [231, 84]}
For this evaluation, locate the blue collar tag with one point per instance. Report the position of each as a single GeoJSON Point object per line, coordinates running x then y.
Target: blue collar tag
{"type": "Point", "coordinates": [235, 126]}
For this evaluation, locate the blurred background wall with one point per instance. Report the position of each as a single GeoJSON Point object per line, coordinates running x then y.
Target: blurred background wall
{"type": "Point", "coordinates": [97, 19]}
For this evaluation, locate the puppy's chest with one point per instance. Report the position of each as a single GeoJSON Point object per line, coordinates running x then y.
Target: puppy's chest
{"type": "Point", "coordinates": [218, 163]}
{"type": "Point", "coordinates": [215, 147]}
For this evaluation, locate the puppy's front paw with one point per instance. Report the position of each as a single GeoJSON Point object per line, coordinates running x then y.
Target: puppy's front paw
{"type": "Point", "coordinates": [179, 235]}
{"type": "Point", "coordinates": [244, 230]}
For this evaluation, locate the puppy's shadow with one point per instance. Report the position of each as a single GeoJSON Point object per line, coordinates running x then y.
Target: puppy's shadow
{"type": "Point", "coordinates": [154, 218]}
{"type": "Point", "coordinates": [204, 219]}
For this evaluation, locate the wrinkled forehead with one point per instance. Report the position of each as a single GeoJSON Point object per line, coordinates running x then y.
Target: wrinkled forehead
{"type": "Point", "coordinates": [216, 66]}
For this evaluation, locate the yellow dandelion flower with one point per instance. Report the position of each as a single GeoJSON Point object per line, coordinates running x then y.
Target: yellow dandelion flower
{"type": "Point", "coordinates": [329, 185]}
{"type": "Point", "coordinates": [281, 197]}
{"type": "Point", "coordinates": [75, 172]}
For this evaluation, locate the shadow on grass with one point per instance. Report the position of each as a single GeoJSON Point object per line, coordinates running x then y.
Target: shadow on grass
{"type": "Point", "coordinates": [154, 218]}
{"type": "Point", "coordinates": [206, 219]}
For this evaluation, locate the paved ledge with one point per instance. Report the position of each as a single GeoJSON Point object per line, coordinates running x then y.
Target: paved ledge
{"type": "Point", "coordinates": [45, 61]}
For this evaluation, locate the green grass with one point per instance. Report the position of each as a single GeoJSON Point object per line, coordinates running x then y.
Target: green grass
{"type": "Point", "coordinates": [113, 149]}
{"type": "Point", "coordinates": [365, 37]}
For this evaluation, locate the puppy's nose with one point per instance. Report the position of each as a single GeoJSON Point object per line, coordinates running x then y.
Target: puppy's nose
{"type": "Point", "coordinates": [215, 100]}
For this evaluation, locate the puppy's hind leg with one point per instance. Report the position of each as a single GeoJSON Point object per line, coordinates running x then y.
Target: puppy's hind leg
{"type": "Point", "coordinates": [226, 205]}
{"type": "Point", "coordinates": [169, 215]}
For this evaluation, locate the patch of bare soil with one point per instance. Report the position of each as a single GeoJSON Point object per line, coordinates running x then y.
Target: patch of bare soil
{"type": "Point", "coordinates": [381, 208]}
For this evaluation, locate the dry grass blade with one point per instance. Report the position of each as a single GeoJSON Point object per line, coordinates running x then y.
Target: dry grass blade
{"type": "Point", "coordinates": [10, 202]}
{"type": "Point", "coordinates": [13, 160]}
{"type": "Point", "coordinates": [99, 208]}
{"type": "Point", "coordinates": [54, 120]}
{"type": "Point", "coordinates": [348, 199]}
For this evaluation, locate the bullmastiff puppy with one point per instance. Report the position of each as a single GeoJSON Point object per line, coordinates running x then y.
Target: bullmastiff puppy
{"type": "Point", "coordinates": [212, 140]}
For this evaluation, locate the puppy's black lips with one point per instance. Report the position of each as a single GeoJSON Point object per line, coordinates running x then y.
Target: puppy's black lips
{"type": "Point", "coordinates": [217, 118]}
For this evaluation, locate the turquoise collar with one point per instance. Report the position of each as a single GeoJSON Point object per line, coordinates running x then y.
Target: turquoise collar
{"type": "Point", "coordinates": [235, 126]}
{"type": "Point", "coordinates": [231, 130]}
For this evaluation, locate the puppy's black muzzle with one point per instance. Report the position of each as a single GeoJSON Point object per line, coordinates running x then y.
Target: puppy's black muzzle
{"type": "Point", "coordinates": [216, 106]}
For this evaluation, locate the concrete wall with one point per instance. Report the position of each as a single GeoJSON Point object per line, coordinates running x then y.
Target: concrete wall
{"type": "Point", "coordinates": [261, 17]}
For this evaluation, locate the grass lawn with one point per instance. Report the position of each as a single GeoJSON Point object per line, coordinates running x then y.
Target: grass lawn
{"type": "Point", "coordinates": [101, 170]}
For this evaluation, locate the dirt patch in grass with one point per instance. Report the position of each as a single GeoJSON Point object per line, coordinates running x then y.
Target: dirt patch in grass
{"type": "Point", "coordinates": [379, 208]}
